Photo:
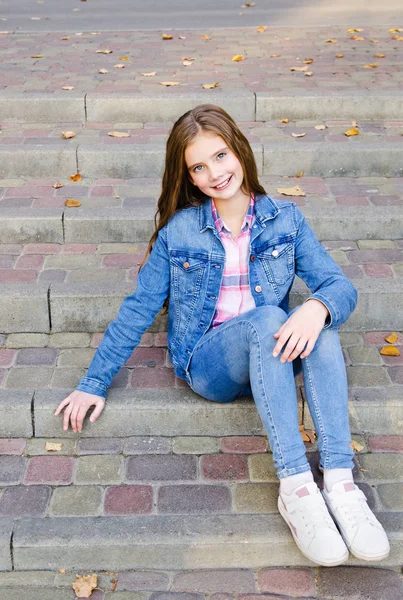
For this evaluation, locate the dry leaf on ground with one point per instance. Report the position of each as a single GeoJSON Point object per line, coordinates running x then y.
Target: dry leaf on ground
{"type": "Point", "coordinates": [291, 191]}
{"type": "Point", "coordinates": [372, 66]}
{"type": "Point", "coordinates": [166, 36]}
{"type": "Point", "coordinates": [284, 121]}
{"type": "Point", "coordinates": [320, 127]}
{"type": "Point", "coordinates": [123, 58]}
{"type": "Point", "coordinates": [76, 177]}
{"type": "Point", "coordinates": [38, 56]}
{"type": "Point", "coordinates": [274, 55]}
{"type": "Point", "coordinates": [299, 174]}
{"type": "Point", "coordinates": [238, 57]}
{"type": "Point", "coordinates": [68, 87]}
{"type": "Point", "coordinates": [357, 38]}
{"type": "Point", "coordinates": [149, 74]}
{"type": "Point", "coordinates": [103, 71]}
{"type": "Point", "coordinates": [187, 63]}
{"type": "Point", "coordinates": [72, 203]}
{"type": "Point", "coordinates": [106, 51]}
{"type": "Point", "coordinates": [66, 37]}
{"type": "Point", "coordinates": [210, 86]}
{"type": "Point", "coordinates": [339, 55]}
{"type": "Point", "coordinates": [52, 447]}
{"type": "Point", "coordinates": [379, 55]}
{"type": "Point", "coordinates": [119, 66]}
{"type": "Point", "coordinates": [331, 41]}
{"type": "Point", "coordinates": [205, 37]}
{"type": "Point", "coordinates": [354, 30]}
{"type": "Point", "coordinates": [308, 74]}
{"type": "Point", "coordinates": [261, 28]}
{"type": "Point", "coordinates": [308, 435]}
{"type": "Point", "coordinates": [356, 446]}
{"type": "Point", "coordinates": [84, 585]}
{"type": "Point", "coordinates": [68, 134]}
{"type": "Point", "coordinates": [119, 134]}
{"type": "Point", "coordinates": [390, 351]}
{"type": "Point", "coordinates": [57, 186]}
{"type": "Point", "coordinates": [308, 61]}
{"type": "Point", "coordinates": [352, 131]}
{"type": "Point", "coordinates": [297, 135]}
{"type": "Point", "coordinates": [168, 83]}
{"type": "Point", "coordinates": [392, 338]}
{"type": "Point", "coordinates": [299, 68]}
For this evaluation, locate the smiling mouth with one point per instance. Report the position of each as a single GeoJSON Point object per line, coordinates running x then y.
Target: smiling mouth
{"type": "Point", "coordinates": [223, 185]}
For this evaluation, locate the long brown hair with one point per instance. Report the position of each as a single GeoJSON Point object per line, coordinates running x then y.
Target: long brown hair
{"type": "Point", "coordinates": [178, 192]}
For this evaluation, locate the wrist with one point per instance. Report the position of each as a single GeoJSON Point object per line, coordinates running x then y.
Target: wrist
{"type": "Point", "coordinates": [321, 305]}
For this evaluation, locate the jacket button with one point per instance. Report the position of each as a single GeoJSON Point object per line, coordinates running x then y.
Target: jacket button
{"type": "Point", "coordinates": [252, 257]}
{"type": "Point", "coordinates": [186, 265]}
{"type": "Point", "coordinates": [274, 253]}
{"type": "Point", "coordinates": [258, 288]}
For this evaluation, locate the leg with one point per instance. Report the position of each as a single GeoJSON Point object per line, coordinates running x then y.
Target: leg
{"type": "Point", "coordinates": [239, 351]}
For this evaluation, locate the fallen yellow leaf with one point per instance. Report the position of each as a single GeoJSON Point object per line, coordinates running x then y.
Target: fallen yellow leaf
{"type": "Point", "coordinates": [330, 41]}
{"type": "Point", "coordinates": [297, 135]}
{"type": "Point", "coordinates": [392, 338]}
{"type": "Point", "coordinates": [261, 28]}
{"type": "Point", "coordinates": [374, 40]}
{"type": "Point", "coordinates": [106, 51]}
{"type": "Point", "coordinates": [76, 177]}
{"type": "Point", "coordinates": [308, 74]}
{"type": "Point", "coordinates": [300, 174]}
{"type": "Point", "coordinates": [379, 55]}
{"type": "Point", "coordinates": [119, 134]}
{"type": "Point", "coordinates": [166, 36]}
{"type": "Point", "coordinates": [299, 68]}
{"type": "Point", "coordinates": [68, 134]}
{"type": "Point", "coordinates": [390, 351]}
{"type": "Point", "coordinates": [357, 38]}
{"type": "Point", "coordinates": [84, 585]}
{"type": "Point", "coordinates": [394, 30]}
{"type": "Point", "coordinates": [248, 4]}
{"type": "Point", "coordinates": [103, 71]}
{"type": "Point", "coordinates": [320, 127]}
{"type": "Point", "coordinates": [168, 83]}
{"type": "Point", "coordinates": [399, 38]}
{"type": "Point", "coordinates": [291, 191]}
{"type": "Point", "coordinates": [356, 446]}
{"type": "Point", "coordinates": [351, 132]}
{"type": "Point", "coordinates": [123, 58]}
{"type": "Point", "coordinates": [57, 186]}
{"type": "Point", "coordinates": [238, 57]}
{"type": "Point", "coordinates": [308, 435]}
{"type": "Point", "coordinates": [38, 56]}
{"type": "Point", "coordinates": [373, 66]}
{"type": "Point", "coordinates": [274, 55]}
{"type": "Point", "coordinates": [181, 37]}
{"type": "Point", "coordinates": [52, 447]}
{"type": "Point", "coordinates": [308, 61]}
{"type": "Point", "coordinates": [354, 30]}
{"type": "Point", "coordinates": [149, 74]}
{"type": "Point", "coordinates": [284, 121]}
{"type": "Point", "coordinates": [68, 87]}
{"type": "Point", "coordinates": [187, 58]}
{"type": "Point", "coordinates": [187, 63]}
{"type": "Point", "coordinates": [119, 66]}
{"type": "Point", "coordinates": [66, 37]}
{"type": "Point", "coordinates": [205, 37]}
{"type": "Point", "coordinates": [339, 55]}
{"type": "Point", "coordinates": [71, 202]}
{"type": "Point", "coordinates": [210, 86]}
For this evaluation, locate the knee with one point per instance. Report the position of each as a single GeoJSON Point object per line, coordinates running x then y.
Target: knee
{"type": "Point", "coordinates": [266, 319]}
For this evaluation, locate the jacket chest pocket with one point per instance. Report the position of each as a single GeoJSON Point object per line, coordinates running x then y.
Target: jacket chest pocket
{"type": "Point", "coordinates": [187, 272]}
{"type": "Point", "coordinates": [277, 260]}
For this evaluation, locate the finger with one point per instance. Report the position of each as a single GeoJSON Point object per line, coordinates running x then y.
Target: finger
{"type": "Point", "coordinates": [73, 418]}
{"type": "Point", "coordinates": [298, 349]}
{"type": "Point", "coordinates": [97, 411]}
{"type": "Point", "coordinates": [80, 417]}
{"type": "Point", "coordinates": [281, 342]}
{"type": "Point", "coordinates": [280, 331]}
{"type": "Point", "coordinates": [310, 346]}
{"type": "Point", "coordinates": [66, 417]}
{"type": "Point", "coordinates": [62, 405]}
{"type": "Point", "coordinates": [292, 342]}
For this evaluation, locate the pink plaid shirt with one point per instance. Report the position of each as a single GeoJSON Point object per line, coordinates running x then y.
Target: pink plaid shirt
{"type": "Point", "coordinates": [235, 296]}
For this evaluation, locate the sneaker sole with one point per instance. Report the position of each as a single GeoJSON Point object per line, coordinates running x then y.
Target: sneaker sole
{"type": "Point", "coordinates": [323, 563]}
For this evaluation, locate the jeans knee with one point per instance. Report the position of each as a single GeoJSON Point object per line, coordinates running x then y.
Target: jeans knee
{"type": "Point", "coordinates": [266, 319]}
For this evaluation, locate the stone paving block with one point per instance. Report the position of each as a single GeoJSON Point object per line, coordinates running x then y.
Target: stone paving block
{"type": "Point", "coordinates": [391, 495]}
{"type": "Point", "coordinates": [80, 501]}
{"type": "Point", "coordinates": [55, 470]}
{"type": "Point", "coordinates": [27, 579]}
{"type": "Point", "coordinates": [386, 443]}
{"type": "Point", "coordinates": [195, 445]}
{"type": "Point", "coordinates": [25, 501]}
{"type": "Point", "coordinates": [6, 528]}
{"type": "Point", "coordinates": [99, 446]}
{"type": "Point", "coordinates": [147, 445]}
{"type": "Point", "coordinates": [244, 444]}
{"type": "Point", "coordinates": [261, 468]}
{"type": "Point", "coordinates": [39, 594]}
{"type": "Point", "coordinates": [378, 416]}
{"type": "Point", "coordinates": [164, 467]}
{"type": "Point", "coordinates": [359, 583]}
{"type": "Point", "coordinates": [104, 469]}
{"type": "Point", "coordinates": [27, 340]}
{"type": "Point", "coordinates": [67, 377]}
{"type": "Point", "coordinates": [121, 108]}
{"type": "Point", "coordinates": [128, 500]}
{"type": "Point", "coordinates": [13, 446]}
{"type": "Point", "coordinates": [69, 340]}
{"type": "Point", "coordinates": [23, 377]}
{"type": "Point", "coordinates": [255, 498]}
{"type": "Point", "coordinates": [294, 582]}
{"type": "Point", "coordinates": [364, 356]}
{"type": "Point", "coordinates": [72, 261]}
{"type": "Point", "coordinates": [38, 160]}
{"type": "Point", "coordinates": [36, 446]}
{"type": "Point", "coordinates": [370, 376]}
{"type": "Point", "coordinates": [76, 357]}
{"type": "Point", "coordinates": [193, 499]}
{"type": "Point", "coordinates": [97, 225]}
{"type": "Point", "coordinates": [142, 160]}
{"type": "Point", "coordinates": [239, 581]}
{"type": "Point", "coordinates": [15, 413]}
{"type": "Point", "coordinates": [226, 467]}
{"type": "Point", "coordinates": [12, 469]}
{"type": "Point", "coordinates": [144, 580]}
{"type": "Point", "coordinates": [387, 467]}
{"type": "Point", "coordinates": [128, 413]}
{"type": "Point", "coordinates": [37, 356]}
{"type": "Point", "coordinates": [24, 308]}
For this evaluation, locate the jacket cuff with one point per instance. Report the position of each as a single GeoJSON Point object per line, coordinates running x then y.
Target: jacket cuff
{"type": "Point", "coordinates": [331, 316]}
{"type": "Point", "coordinates": [92, 386]}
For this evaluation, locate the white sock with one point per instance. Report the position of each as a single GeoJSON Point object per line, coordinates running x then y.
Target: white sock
{"type": "Point", "coordinates": [332, 476]}
{"type": "Point", "coordinates": [289, 484]}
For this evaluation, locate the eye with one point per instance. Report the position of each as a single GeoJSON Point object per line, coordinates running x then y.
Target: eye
{"type": "Point", "coordinates": [224, 153]}
{"type": "Point", "coordinates": [195, 168]}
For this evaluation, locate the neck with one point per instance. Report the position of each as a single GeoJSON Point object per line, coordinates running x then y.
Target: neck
{"type": "Point", "coordinates": [235, 207]}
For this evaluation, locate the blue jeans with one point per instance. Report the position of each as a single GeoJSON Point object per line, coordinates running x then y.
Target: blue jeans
{"type": "Point", "coordinates": [236, 359]}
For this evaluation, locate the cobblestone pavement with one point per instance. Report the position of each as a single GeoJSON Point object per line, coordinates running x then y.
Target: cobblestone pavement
{"type": "Point", "coordinates": [269, 56]}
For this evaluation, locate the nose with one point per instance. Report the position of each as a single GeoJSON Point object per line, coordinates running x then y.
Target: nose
{"type": "Point", "coordinates": [215, 176]}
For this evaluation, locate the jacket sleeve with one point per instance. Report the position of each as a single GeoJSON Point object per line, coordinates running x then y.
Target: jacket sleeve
{"type": "Point", "coordinates": [136, 314]}
{"type": "Point", "coordinates": [322, 274]}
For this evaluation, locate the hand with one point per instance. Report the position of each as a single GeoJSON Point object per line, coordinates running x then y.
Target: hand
{"type": "Point", "coordinates": [301, 329]}
{"type": "Point", "coordinates": [77, 405]}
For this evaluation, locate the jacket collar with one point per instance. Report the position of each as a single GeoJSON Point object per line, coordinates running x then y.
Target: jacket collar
{"type": "Point", "coordinates": [265, 208]}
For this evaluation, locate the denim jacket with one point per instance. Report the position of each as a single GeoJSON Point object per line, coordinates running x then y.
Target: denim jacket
{"type": "Point", "coordinates": [186, 264]}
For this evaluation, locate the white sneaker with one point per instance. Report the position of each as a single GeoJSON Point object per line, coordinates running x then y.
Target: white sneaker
{"type": "Point", "coordinates": [363, 533]}
{"type": "Point", "coordinates": [311, 525]}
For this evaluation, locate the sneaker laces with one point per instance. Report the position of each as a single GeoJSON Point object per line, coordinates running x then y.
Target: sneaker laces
{"type": "Point", "coordinates": [317, 514]}
{"type": "Point", "coordinates": [354, 508]}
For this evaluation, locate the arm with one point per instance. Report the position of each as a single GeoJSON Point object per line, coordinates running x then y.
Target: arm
{"type": "Point", "coordinates": [136, 314]}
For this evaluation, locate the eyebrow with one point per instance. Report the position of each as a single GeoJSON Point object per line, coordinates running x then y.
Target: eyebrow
{"type": "Point", "coordinates": [218, 151]}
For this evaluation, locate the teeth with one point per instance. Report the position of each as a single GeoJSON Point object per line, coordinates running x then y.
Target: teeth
{"type": "Point", "coordinates": [223, 184]}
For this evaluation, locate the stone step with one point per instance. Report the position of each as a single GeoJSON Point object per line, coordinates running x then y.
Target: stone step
{"type": "Point", "coordinates": [89, 307]}
{"type": "Point", "coordinates": [318, 153]}
{"type": "Point", "coordinates": [242, 105]}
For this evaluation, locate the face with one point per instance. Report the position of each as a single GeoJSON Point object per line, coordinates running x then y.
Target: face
{"type": "Point", "coordinates": [211, 163]}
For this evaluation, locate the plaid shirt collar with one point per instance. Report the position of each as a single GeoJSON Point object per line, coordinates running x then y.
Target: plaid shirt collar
{"type": "Point", "coordinates": [247, 222]}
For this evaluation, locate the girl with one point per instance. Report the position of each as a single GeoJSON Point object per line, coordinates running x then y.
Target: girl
{"type": "Point", "coordinates": [225, 254]}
